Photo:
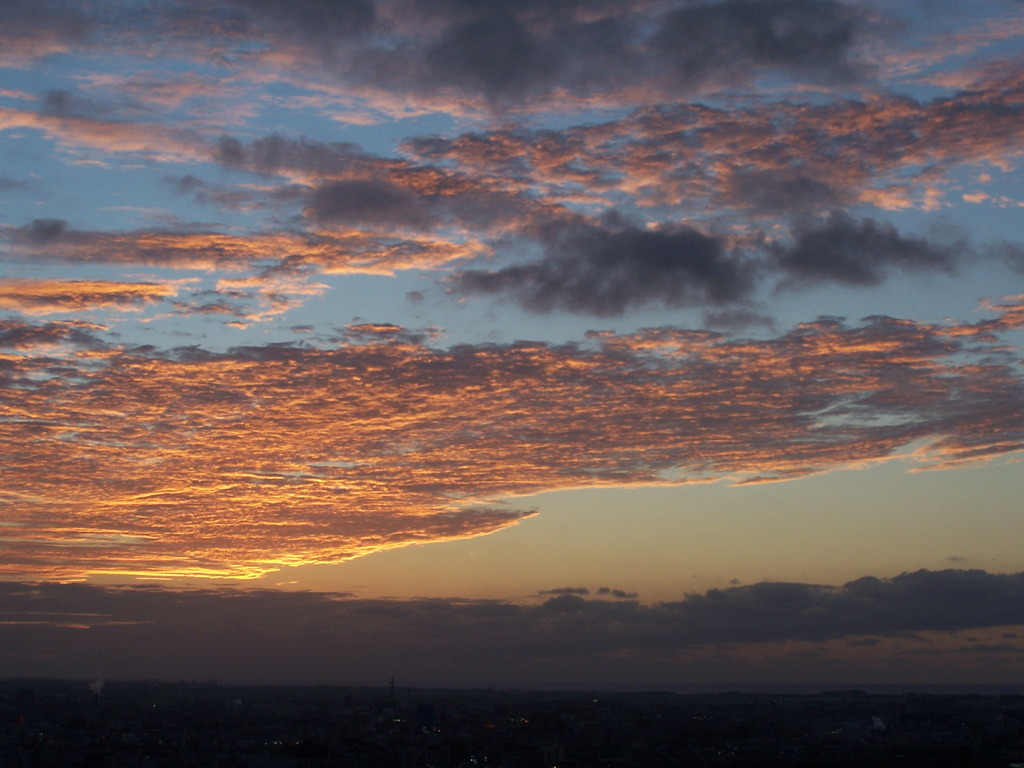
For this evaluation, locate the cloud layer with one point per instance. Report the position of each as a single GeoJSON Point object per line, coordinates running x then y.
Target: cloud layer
{"type": "Point", "coordinates": [187, 461]}
{"type": "Point", "coordinates": [41, 297]}
{"type": "Point", "coordinates": [675, 205]}
{"type": "Point", "coordinates": [770, 631]}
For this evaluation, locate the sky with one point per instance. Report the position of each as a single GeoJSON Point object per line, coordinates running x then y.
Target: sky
{"type": "Point", "coordinates": [521, 343]}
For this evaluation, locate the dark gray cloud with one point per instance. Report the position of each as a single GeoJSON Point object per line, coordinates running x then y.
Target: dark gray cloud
{"type": "Point", "coordinates": [1011, 254]}
{"type": "Point", "coordinates": [608, 270]}
{"type": "Point", "coordinates": [42, 232]}
{"type": "Point", "coordinates": [507, 51]}
{"type": "Point", "coordinates": [860, 252]}
{"type": "Point", "coordinates": [619, 593]}
{"type": "Point", "coordinates": [911, 602]}
{"type": "Point", "coordinates": [493, 53]}
{"type": "Point", "coordinates": [73, 629]}
{"type": "Point", "coordinates": [773, 191]}
{"type": "Point", "coordinates": [8, 184]}
{"type": "Point", "coordinates": [237, 197]}
{"type": "Point", "coordinates": [323, 24]}
{"type": "Point", "coordinates": [186, 185]}
{"type": "Point", "coordinates": [276, 153]}
{"type": "Point", "coordinates": [367, 202]}
{"type": "Point", "coordinates": [502, 52]}
{"type": "Point", "coordinates": [381, 333]}
{"type": "Point", "coordinates": [343, 185]}
{"type": "Point", "coordinates": [732, 38]}
{"type": "Point", "coordinates": [66, 103]}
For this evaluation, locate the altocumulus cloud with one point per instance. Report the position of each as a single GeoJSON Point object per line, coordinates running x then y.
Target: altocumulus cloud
{"type": "Point", "coordinates": [512, 190]}
{"type": "Point", "coordinates": [290, 454]}
{"type": "Point", "coordinates": [861, 252]}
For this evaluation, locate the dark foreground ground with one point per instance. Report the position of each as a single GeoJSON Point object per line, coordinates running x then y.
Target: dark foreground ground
{"type": "Point", "coordinates": [50, 723]}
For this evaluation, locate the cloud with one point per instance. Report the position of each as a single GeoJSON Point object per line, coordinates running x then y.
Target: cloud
{"type": "Point", "coordinates": [497, 54]}
{"type": "Point", "coordinates": [336, 251]}
{"type": "Point", "coordinates": [91, 132]}
{"type": "Point", "coordinates": [69, 629]}
{"type": "Point", "coordinates": [33, 29]}
{"type": "Point", "coordinates": [41, 232]}
{"type": "Point", "coordinates": [366, 202]}
{"type": "Point", "coordinates": [619, 593]}
{"type": "Point", "coordinates": [8, 184]}
{"type": "Point", "coordinates": [320, 24]}
{"type": "Point", "coordinates": [341, 185]}
{"type": "Point", "coordinates": [726, 41]}
{"type": "Point", "coordinates": [20, 335]}
{"type": "Point", "coordinates": [606, 271]}
{"type": "Point", "coordinates": [279, 154]}
{"type": "Point", "coordinates": [513, 51]}
{"type": "Point", "coordinates": [1012, 255]}
{"type": "Point", "coordinates": [64, 103]}
{"type": "Point", "coordinates": [41, 297]}
{"type": "Point", "coordinates": [203, 96]}
{"type": "Point", "coordinates": [860, 252]}
{"type": "Point", "coordinates": [289, 454]}
{"type": "Point", "coordinates": [946, 600]}
{"type": "Point", "coordinates": [57, 240]}
{"type": "Point", "coordinates": [776, 176]}
{"type": "Point", "coordinates": [494, 53]}
{"type": "Point", "coordinates": [737, 318]}
{"type": "Point", "coordinates": [773, 192]}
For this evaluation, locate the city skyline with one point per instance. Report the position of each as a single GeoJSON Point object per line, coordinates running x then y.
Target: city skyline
{"type": "Point", "coordinates": [513, 342]}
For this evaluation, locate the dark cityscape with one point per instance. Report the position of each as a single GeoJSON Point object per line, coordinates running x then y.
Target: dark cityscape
{"type": "Point", "coordinates": [217, 725]}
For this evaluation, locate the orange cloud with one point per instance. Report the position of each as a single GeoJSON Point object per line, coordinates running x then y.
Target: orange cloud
{"type": "Point", "coordinates": [42, 297]}
{"type": "Point", "coordinates": [890, 151]}
{"type": "Point", "coordinates": [152, 139]}
{"type": "Point", "coordinates": [234, 464]}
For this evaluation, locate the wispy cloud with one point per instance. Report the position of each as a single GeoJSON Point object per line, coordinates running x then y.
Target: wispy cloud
{"type": "Point", "coordinates": [333, 251]}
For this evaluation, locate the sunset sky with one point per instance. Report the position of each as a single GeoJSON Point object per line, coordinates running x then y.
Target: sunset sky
{"type": "Point", "coordinates": [534, 342]}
